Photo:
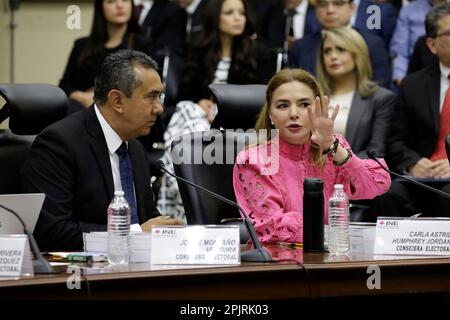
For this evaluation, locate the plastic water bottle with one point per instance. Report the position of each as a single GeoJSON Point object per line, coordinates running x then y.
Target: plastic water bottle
{"type": "Point", "coordinates": [119, 215]}
{"type": "Point", "coordinates": [338, 221]}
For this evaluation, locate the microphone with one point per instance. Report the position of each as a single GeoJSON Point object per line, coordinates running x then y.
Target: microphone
{"type": "Point", "coordinates": [40, 265]}
{"type": "Point", "coordinates": [259, 253]}
{"type": "Point", "coordinates": [373, 155]}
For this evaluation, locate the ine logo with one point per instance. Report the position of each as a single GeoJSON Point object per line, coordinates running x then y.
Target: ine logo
{"type": "Point", "coordinates": [374, 20]}
{"type": "Point", "coordinates": [74, 280]}
{"type": "Point", "coordinates": [374, 280]}
{"type": "Point", "coordinates": [73, 21]}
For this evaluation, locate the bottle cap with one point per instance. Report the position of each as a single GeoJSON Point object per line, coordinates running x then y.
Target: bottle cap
{"type": "Point", "coordinates": [339, 186]}
{"type": "Point", "coordinates": [119, 193]}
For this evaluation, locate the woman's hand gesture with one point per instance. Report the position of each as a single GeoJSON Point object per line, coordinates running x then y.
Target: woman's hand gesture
{"type": "Point", "coordinates": [321, 124]}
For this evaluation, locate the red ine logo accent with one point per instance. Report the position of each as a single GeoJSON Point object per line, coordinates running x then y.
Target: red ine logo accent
{"type": "Point", "coordinates": [382, 222]}
{"type": "Point", "coordinates": [157, 231]}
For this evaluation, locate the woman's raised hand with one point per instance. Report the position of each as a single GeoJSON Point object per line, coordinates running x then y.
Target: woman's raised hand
{"type": "Point", "coordinates": [321, 124]}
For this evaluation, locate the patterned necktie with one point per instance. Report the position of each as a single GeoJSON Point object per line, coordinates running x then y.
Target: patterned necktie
{"type": "Point", "coordinates": [444, 129]}
{"type": "Point", "coordinates": [126, 177]}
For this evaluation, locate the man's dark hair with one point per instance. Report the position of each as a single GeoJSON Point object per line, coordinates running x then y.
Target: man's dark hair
{"type": "Point", "coordinates": [117, 72]}
{"type": "Point", "coordinates": [431, 20]}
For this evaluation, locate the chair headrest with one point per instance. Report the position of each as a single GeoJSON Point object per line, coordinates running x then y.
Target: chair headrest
{"type": "Point", "coordinates": [238, 105]}
{"type": "Point", "coordinates": [32, 107]}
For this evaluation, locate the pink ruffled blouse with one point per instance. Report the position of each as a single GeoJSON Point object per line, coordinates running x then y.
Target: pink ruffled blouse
{"type": "Point", "coordinates": [272, 194]}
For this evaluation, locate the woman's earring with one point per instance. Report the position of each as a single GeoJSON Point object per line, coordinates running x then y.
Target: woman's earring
{"type": "Point", "coordinates": [271, 122]}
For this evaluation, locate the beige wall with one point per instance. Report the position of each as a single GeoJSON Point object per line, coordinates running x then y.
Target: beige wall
{"type": "Point", "coordinates": [43, 42]}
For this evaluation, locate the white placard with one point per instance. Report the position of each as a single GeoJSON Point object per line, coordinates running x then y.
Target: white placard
{"type": "Point", "coordinates": [408, 236]}
{"type": "Point", "coordinates": [195, 245]}
{"type": "Point", "coordinates": [15, 256]}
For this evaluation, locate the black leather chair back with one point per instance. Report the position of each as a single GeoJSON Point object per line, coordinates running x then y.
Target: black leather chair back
{"type": "Point", "coordinates": [30, 108]}
{"type": "Point", "coordinates": [207, 159]}
{"type": "Point", "coordinates": [238, 105]}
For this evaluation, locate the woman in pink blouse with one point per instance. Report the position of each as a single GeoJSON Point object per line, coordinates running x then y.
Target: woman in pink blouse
{"type": "Point", "coordinates": [268, 178]}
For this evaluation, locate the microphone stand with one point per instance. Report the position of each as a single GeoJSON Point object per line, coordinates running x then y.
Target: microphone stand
{"type": "Point", "coordinates": [40, 265]}
{"type": "Point", "coordinates": [259, 253]}
{"type": "Point", "coordinates": [372, 155]}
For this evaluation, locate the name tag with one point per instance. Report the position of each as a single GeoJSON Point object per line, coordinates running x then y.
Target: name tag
{"type": "Point", "coordinates": [405, 236]}
{"type": "Point", "coordinates": [195, 245]}
{"type": "Point", "coordinates": [15, 256]}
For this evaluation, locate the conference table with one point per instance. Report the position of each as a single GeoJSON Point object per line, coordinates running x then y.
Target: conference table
{"type": "Point", "coordinates": [299, 275]}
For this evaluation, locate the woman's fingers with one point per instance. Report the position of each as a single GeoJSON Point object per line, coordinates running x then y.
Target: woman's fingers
{"type": "Point", "coordinates": [335, 112]}
{"type": "Point", "coordinates": [317, 109]}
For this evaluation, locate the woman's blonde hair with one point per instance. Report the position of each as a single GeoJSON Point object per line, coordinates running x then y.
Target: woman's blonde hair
{"type": "Point", "coordinates": [350, 40]}
{"type": "Point", "coordinates": [280, 78]}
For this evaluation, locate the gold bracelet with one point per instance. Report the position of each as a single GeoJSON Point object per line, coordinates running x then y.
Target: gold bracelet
{"type": "Point", "coordinates": [349, 155]}
{"type": "Point", "coordinates": [332, 148]}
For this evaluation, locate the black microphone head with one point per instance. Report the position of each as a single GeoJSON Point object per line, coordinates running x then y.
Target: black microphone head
{"type": "Point", "coordinates": [157, 168]}
{"type": "Point", "coordinates": [372, 154]}
{"type": "Point", "coordinates": [159, 164]}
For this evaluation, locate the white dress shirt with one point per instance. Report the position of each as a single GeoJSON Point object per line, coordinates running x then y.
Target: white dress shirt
{"type": "Point", "coordinates": [444, 84]}
{"type": "Point", "coordinates": [146, 7]}
{"type": "Point", "coordinates": [299, 19]}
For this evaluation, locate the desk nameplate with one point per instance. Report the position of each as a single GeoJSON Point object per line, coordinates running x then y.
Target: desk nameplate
{"type": "Point", "coordinates": [195, 245]}
{"type": "Point", "coordinates": [407, 236]}
{"type": "Point", "coordinates": [15, 256]}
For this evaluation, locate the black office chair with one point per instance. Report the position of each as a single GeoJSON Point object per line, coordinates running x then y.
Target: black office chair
{"type": "Point", "coordinates": [238, 105]}
{"type": "Point", "coordinates": [30, 108]}
{"type": "Point", "coordinates": [194, 160]}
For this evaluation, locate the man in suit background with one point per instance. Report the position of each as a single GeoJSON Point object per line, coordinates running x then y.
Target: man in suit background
{"type": "Point", "coordinates": [76, 161]}
{"type": "Point", "coordinates": [273, 26]}
{"type": "Point", "coordinates": [332, 14]}
{"type": "Point", "coordinates": [163, 24]}
{"type": "Point", "coordinates": [193, 10]}
{"type": "Point", "coordinates": [420, 125]}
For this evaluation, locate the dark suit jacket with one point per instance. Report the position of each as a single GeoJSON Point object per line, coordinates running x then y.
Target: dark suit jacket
{"type": "Point", "coordinates": [69, 162]}
{"type": "Point", "coordinates": [165, 27]}
{"type": "Point", "coordinates": [304, 54]}
{"type": "Point", "coordinates": [197, 15]}
{"type": "Point", "coordinates": [422, 56]}
{"type": "Point", "coordinates": [416, 121]}
{"type": "Point", "coordinates": [272, 28]}
{"type": "Point", "coordinates": [369, 122]}
{"type": "Point", "coordinates": [388, 19]}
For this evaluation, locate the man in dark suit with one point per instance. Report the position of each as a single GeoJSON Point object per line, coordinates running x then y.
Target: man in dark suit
{"type": "Point", "coordinates": [332, 14]}
{"type": "Point", "coordinates": [163, 24]}
{"type": "Point", "coordinates": [420, 125]}
{"type": "Point", "coordinates": [273, 25]}
{"type": "Point", "coordinates": [74, 161]}
{"type": "Point", "coordinates": [194, 12]}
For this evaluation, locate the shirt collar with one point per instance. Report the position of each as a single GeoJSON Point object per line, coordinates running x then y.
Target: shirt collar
{"type": "Point", "coordinates": [193, 6]}
{"type": "Point", "coordinates": [302, 7]}
{"type": "Point", "coordinates": [445, 71]}
{"type": "Point", "coordinates": [292, 151]}
{"type": "Point", "coordinates": [113, 141]}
